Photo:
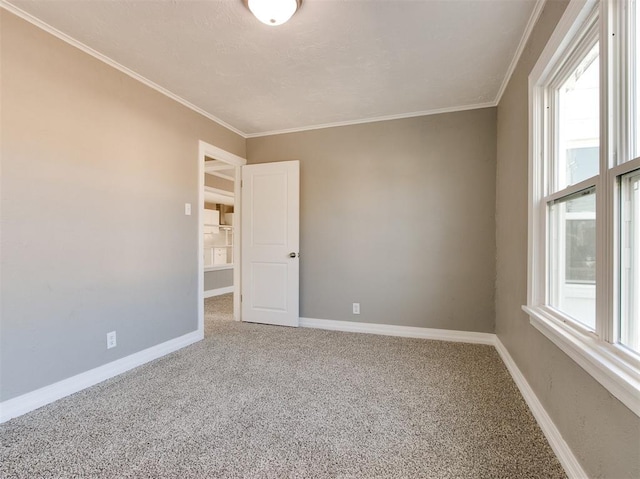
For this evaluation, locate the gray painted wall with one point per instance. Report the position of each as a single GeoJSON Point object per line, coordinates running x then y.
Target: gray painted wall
{"type": "Point", "coordinates": [221, 278]}
{"type": "Point", "coordinates": [602, 433]}
{"type": "Point", "coordinates": [217, 182]}
{"type": "Point", "coordinates": [96, 169]}
{"type": "Point", "coordinates": [396, 215]}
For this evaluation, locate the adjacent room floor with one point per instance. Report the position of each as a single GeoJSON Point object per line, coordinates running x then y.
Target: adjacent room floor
{"type": "Point", "coordinates": [270, 402]}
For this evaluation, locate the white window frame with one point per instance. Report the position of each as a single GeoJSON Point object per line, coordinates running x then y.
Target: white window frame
{"type": "Point", "coordinates": [598, 352]}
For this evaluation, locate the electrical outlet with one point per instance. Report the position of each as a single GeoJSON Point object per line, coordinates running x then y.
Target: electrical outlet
{"type": "Point", "coordinates": [356, 308]}
{"type": "Point", "coordinates": [111, 340]}
{"type": "Point", "coordinates": [187, 209]}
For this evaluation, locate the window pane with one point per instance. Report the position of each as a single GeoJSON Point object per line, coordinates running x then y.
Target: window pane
{"type": "Point", "coordinates": [578, 123]}
{"type": "Point", "coordinates": [630, 261]}
{"type": "Point", "coordinates": [572, 256]}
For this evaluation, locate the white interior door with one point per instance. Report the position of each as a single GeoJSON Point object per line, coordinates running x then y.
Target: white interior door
{"type": "Point", "coordinates": [270, 243]}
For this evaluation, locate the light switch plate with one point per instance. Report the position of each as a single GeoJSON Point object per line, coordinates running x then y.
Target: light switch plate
{"type": "Point", "coordinates": [187, 209]}
{"type": "Point", "coordinates": [111, 340]}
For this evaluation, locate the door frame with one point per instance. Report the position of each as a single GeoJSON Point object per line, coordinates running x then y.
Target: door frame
{"type": "Point", "coordinates": [208, 150]}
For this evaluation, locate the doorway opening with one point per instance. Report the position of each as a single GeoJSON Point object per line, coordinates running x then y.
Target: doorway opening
{"type": "Point", "coordinates": [219, 234]}
{"type": "Point", "coordinates": [218, 219]}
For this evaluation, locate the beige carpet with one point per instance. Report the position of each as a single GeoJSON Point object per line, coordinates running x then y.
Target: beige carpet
{"type": "Point", "coordinates": [271, 402]}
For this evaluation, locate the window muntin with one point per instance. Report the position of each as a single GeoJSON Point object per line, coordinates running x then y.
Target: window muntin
{"type": "Point", "coordinates": [572, 256]}
{"type": "Point", "coordinates": [630, 261]}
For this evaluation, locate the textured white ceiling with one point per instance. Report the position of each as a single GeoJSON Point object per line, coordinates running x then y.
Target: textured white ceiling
{"type": "Point", "coordinates": [334, 61]}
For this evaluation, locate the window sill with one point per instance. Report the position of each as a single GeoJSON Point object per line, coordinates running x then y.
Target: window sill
{"type": "Point", "coordinates": [605, 362]}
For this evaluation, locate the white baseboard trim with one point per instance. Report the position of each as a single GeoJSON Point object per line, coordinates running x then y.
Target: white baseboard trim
{"type": "Point", "coordinates": [402, 331]}
{"type": "Point", "coordinates": [40, 397]}
{"type": "Point", "coordinates": [48, 394]}
{"type": "Point", "coordinates": [560, 447]}
{"type": "Point", "coordinates": [218, 292]}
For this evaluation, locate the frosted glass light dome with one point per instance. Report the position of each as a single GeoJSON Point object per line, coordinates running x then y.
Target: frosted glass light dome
{"type": "Point", "coordinates": [273, 12]}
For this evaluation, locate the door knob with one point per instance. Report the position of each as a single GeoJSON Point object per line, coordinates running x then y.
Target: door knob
{"type": "Point", "coordinates": [292, 255]}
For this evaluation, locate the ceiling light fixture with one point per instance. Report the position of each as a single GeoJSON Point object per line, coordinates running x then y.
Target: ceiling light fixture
{"type": "Point", "coordinates": [273, 12]}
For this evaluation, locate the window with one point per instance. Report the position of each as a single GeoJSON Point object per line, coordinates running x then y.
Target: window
{"type": "Point", "coordinates": [584, 221]}
{"type": "Point", "coordinates": [572, 120]}
{"type": "Point", "coordinates": [572, 256]}
{"type": "Point", "coordinates": [577, 134]}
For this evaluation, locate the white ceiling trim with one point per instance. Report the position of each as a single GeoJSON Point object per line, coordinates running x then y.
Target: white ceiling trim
{"type": "Point", "coordinates": [537, 10]}
{"type": "Point", "coordinates": [112, 63]}
{"type": "Point", "coordinates": [533, 19]}
{"type": "Point", "coordinates": [401, 116]}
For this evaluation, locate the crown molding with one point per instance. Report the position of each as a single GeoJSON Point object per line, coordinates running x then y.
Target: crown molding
{"type": "Point", "coordinates": [533, 19]}
{"type": "Point", "coordinates": [112, 63]}
{"type": "Point", "coordinates": [537, 10]}
{"type": "Point", "coordinates": [475, 106]}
